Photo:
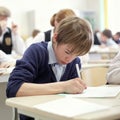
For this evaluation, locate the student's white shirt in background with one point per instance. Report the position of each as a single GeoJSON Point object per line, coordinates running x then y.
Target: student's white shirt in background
{"type": "Point", "coordinates": [5, 58]}
{"type": "Point", "coordinates": [111, 42]}
{"type": "Point", "coordinates": [29, 41]}
{"type": "Point", "coordinates": [41, 37]}
{"type": "Point", "coordinates": [38, 38]}
{"type": "Point", "coordinates": [18, 45]}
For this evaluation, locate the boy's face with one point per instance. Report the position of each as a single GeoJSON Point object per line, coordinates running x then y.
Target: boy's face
{"type": "Point", "coordinates": [63, 53]}
{"type": "Point", "coordinates": [103, 38]}
{"type": "Point", "coordinates": [116, 37]}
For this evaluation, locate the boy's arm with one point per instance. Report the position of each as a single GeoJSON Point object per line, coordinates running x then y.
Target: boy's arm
{"type": "Point", "coordinates": [73, 86]}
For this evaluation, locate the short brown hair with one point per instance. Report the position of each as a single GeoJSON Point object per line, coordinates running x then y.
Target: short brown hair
{"type": "Point", "coordinates": [77, 33]}
{"type": "Point", "coordinates": [107, 33]}
{"type": "Point", "coordinates": [118, 33]}
{"type": "Point", "coordinates": [35, 32]}
{"type": "Point", "coordinates": [63, 14]}
{"type": "Point", "coordinates": [52, 20]}
{"type": "Point", "coordinates": [5, 12]}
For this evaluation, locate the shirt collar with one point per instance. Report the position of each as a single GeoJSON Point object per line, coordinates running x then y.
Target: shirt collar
{"type": "Point", "coordinates": [52, 58]}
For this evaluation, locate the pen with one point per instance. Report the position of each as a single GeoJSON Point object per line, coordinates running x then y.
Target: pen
{"type": "Point", "coordinates": [78, 70]}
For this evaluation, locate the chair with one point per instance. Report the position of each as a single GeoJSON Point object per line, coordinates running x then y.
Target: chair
{"type": "Point", "coordinates": [94, 76]}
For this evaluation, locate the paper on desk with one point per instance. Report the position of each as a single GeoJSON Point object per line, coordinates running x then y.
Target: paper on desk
{"type": "Point", "coordinates": [69, 107]}
{"type": "Point", "coordinates": [100, 91]}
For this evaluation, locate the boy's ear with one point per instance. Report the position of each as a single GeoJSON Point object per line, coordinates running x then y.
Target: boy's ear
{"type": "Point", "coordinates": [55, 37]}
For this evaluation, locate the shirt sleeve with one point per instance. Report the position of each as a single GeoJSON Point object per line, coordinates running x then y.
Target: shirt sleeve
{"type": "Point", "coordinates": [18, 44]}
{"type": "Point", "coordinates": [25, 71]}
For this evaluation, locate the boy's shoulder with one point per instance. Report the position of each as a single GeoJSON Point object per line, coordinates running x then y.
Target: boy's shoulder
{"type": "Point", "coordinates": [40, 48]}
{"type": "Point", "coordinates": [40, 45]}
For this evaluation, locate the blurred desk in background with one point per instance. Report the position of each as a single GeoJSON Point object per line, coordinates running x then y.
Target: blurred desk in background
{"type": "Point", "coordinates": [102, 61]}
{"type": "Point", "coordinates": [98, 52]}
{"type": "Point", "coordinates": [94, 65]}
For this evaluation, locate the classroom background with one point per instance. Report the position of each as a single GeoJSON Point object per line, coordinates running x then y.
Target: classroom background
{"type": "Point", "coordinates": [36, 14]}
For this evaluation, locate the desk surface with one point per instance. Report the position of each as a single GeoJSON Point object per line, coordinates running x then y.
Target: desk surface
{"type": "Point", "coordinates": [25, 105]}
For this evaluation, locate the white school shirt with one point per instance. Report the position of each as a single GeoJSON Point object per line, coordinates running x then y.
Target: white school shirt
{"type": "Point", "coordinates": [5, 58]}
{"type": "Point", "coordinates": [41, 37]}
{"type": "Point", "coordinates": [57, 68]}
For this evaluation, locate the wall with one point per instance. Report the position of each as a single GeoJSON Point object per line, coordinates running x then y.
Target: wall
{"type": "Point", "coordinates": [98, 7]}
{"type": "Point", "coordinates": [43, 11]}
{"type": "Point", "coordinates": [113, 15]}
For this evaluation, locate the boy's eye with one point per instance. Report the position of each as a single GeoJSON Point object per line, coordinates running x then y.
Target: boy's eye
{"type": "Point", "coordinates": [70, 53]}
{"type": "Point", "coordinates": [67, 52]}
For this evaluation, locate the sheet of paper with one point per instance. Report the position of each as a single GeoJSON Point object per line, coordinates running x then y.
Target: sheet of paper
{"type": "Point", "coordinates": [101, 91]}
{"type": "Point", "coordinates": [69, 107]}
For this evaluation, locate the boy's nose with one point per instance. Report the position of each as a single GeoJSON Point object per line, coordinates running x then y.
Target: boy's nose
{"type": "Point", "coordinates": [69, 59]}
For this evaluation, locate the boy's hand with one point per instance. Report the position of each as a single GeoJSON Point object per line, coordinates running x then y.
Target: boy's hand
{"type": "Point", "coordinates": [75, 86]}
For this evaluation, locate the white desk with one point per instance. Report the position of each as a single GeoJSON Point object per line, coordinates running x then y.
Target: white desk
{"type": "Point", "coordinates": [25, 106]}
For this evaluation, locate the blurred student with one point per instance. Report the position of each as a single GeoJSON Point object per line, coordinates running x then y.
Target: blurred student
{"type": "Point", "coordinates": [97, 37]}
{"type": "Point", "coordinates": [113, 75]}
{"type": "Point", "coordinates": [9, 39]}
{"type": "Point", "coordinates": [50, 67]}
{"type": "Point", "coordinates": [116, 37]}
{"type": "Point", "coordinates": [106, 39]}
{"type": "Point", "coordinates": [55, 19]}
{"type": "Point", "coordinates": [30, 40]}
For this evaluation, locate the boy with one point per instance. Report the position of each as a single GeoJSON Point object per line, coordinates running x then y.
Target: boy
{"type": "Point", "coordinates": [36, 72]}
